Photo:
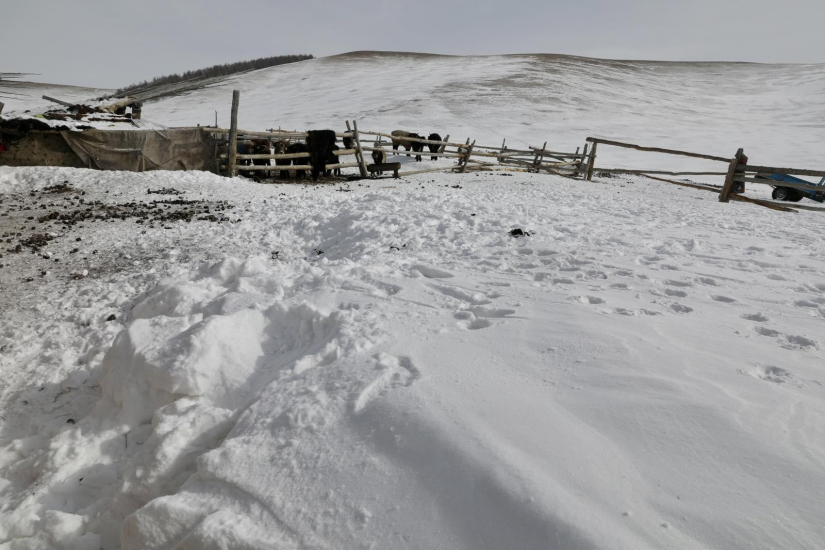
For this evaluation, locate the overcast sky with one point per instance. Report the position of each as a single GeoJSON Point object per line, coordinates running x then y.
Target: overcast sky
{"type": "Point", "coordinates": [111, 43]}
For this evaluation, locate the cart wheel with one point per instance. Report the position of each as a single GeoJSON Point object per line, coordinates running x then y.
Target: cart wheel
{"type": "Point", "coordinates": [781, 194]}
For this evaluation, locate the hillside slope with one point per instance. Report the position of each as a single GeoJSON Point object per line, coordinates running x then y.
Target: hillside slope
{"type": "Point", "coordinates": [776, 112]}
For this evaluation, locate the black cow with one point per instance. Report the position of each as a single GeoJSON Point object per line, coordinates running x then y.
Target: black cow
{"type": "Point", "coordinates": [261, 147]}
{"type": "Point", "coordinates": [379, 157]}
{"type": "Point", "coordinates": [434, 148]}
{"type": "Point", "coordinates": [333, 159]}
{"type": "Point", "coordinates": [417, 146]}
{"type": "Point", "coordinates": [319, 144]}
{"type": "Point", "coordinates": [298, 148]}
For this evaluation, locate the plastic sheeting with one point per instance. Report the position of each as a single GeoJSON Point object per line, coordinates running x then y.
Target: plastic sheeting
{"type": "Point", "coordinates": [142, 150]}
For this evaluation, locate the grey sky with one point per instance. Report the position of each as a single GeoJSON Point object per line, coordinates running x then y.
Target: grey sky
{"type": "Point", "coordinates": [111, 43]}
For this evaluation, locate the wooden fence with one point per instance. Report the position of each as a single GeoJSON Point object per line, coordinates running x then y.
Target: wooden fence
{"type": "Point", "coordinates": [471, 156]}
{"type": "Point", "coordinates": [533, 159]}
{"type": "Point", "coordinates": [738, 173]}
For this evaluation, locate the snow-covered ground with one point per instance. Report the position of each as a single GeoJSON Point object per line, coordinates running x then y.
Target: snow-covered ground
{"type": "Point", "coordinates": [380, 364]}
{"type": "Point", "coordinates": [29, 95]}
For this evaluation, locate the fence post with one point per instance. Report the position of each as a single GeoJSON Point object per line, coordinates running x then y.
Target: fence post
{"type": "Point", "coordinates": [1, 107]}
{"type": "Point", "coordinates": [441, 149]}
{"type": "Point", "coordinates": [539, 157]}
{"type": "Point", "coordinates": [362, 166]}
{"type": "Point", "coordinates": [583, 162]}
{"type": "Point", "coordinates": [728, 187]}
{"type": "Point", "coordinates": [503, 148]}
{"type": "Point", "coordinates": [592, 164]}
{"type": "Point", "coordinates": [467, 156]}
{"type": "Point", "coordinates": [233, 136]}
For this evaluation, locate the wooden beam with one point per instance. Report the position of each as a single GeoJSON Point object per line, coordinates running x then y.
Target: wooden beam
{"type": "Point", "coordinates": [467, 157]}
{"type": "Point", "coordinates": [661, 172]}
{"type": "Point", "coordinates": [58, 101]}
{"type": "Point", "coordinates": [789, 171]}
{"type": "Point", "coordinates": [362, 165]}
{"type": "Point", "coordinates": [583, 167]}
{"type": "Point", "coordinates": [555, 153]}
{"type": "Point", "coordinates": [450, 155]}
{"type": "Point", "coordinates": [427, 171]}
{"type": "Point", "coordinates": [444, 146]}
{"type": "Point", "coordinates": [727, 189]}
{"type": "Point", "coordinates": [417, 140]}
{"type": "Point", "coordinates": [233, 134]}
{"type": "Point", "coordinates": [594, 141]}
{"type": "Point", "coordinates": [591, 164]}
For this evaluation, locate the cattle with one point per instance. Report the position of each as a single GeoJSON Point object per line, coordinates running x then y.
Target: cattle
{"type": "Point", "coordinates": [319, 144]}
{"type": "Point", "coordinates": [348, 142]}
{"type": "Point", "coordinates": [280, 148]}
{"type": "Point", "coordinates": [261, 147]}
{"type": "Point", "coordinates": [298, 148]}
{"type": "Point", "coordinates": [333, 159]}
{"type": "Point", "coordinates": [417, 146]}
{"type": "Point", "coordinates": [379, 156]}
{"type": "Point", "coordinates": [244, 148]}
{"type": "Point", "coordinates": [399, 141]}
{"type": "Point", "coordinates": [434, 148]}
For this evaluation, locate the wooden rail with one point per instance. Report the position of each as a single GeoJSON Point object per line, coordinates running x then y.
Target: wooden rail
{"type": "Point", "coordinates": [595, 141]}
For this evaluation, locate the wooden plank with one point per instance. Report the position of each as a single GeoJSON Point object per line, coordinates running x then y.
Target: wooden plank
{"type": "Point", "coordinates": [729, 183]}
{"type": "Point", "coordinates": [450, 155]}
{"type": "Point", "coordinates": [241, 132]}
{"type": "Point", "coordinates": [594, 141]}
{"type": "Point", "coordinates": [362, 165]}
{"type": "Point", "coordinates": [789, 171]}
{"type": "Point", "coordinates": [539, 156]}
{"type": "Point", "coordinates": [661, 172]}
{"type": "Point", "coordinates": [556, 153]}
{"type": "Point", "coordinates": [774, 183]}
{"type": "Point", "coordinates": [233, 135]}
{"type": "Point", "coordinates": [1, 107]}
{"type": "Point", "coordinates": [591, 163]}
{"type": "Point", "coordinates": [467, 157]}
{"type": "Point", "coordinates": [417, 140]}
{"type": "Point", "coordinates": [59, 102]}
{"type": "Point", "coordinates": [275, 168]}
{"type": "Point", "coordinates": [583, 166]}
{"type": "Point", "coordinates": [427, 171]}
{"type": "Point", "coordinates": [446, 139]}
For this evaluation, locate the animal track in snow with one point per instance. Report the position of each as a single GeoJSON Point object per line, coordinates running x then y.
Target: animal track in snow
{"type": "Point", "coordinates": [707, 281]}
{"type": "Point", "coordinates": [677, 293]}
{"type": "Point", "coordinates": [723, 299]}
{"type": "Point", "coordinates": [394, 372]}
{"type": "Point", "coordinates": [756, 317]}
{"type": "Point", "coordinates": [764, 331]}
{"type": "Point", "coordinates": [590, 300]}
{"type": "Point", "coordinates": [769, 373]}
{"type": "Point", "coordinates": [681, 284]}
{"type": "Point", "coordinates": [679, 308]}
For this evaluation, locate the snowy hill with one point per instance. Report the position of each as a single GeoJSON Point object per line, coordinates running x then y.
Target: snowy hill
{"type": "Point", "coordinates": [776, 112]}
{"type": "Point", "coordinates": [380, 364]}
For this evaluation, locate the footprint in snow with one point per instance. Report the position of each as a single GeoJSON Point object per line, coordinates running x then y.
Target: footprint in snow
{"type": "Point", "coordinates": [769, 373]}
{"type": "Point", "coordinates": [724, 299]}
{"type": "Point", "coordinates": [394, 372]}
{"type": "Point", "coordinates": [590, 300]}
{"type": "Point", "coordinates": [682, 284]}
{"type": "Point", "coordinates": [679, 308]}
{"type": "Point", "coordinates": [756, 317]}
{"type": "Point", "coordinates": [676, 293]}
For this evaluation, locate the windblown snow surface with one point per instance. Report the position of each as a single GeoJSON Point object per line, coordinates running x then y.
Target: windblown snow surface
{"type": "Point", "coordinates": [381, 365]}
